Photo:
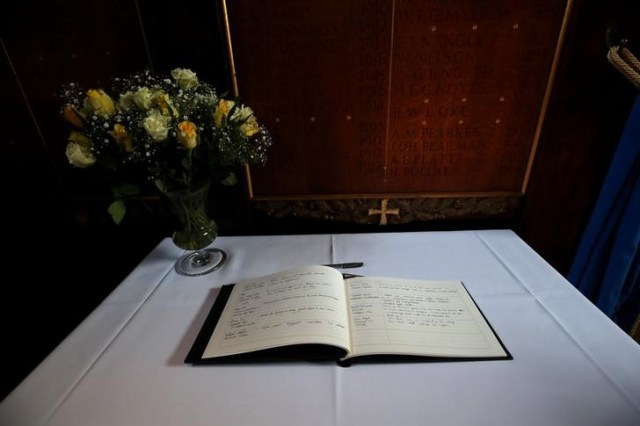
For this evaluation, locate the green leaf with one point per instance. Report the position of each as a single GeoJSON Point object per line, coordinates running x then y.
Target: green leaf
{"type": "Point", "coordinates": [160, 185]}
{"type": "Point", "coordinates": [126, 189]}
{"type": "Point", "coordinates": [117, 210]}
{"type": "Point", "coordinates": [230, 180]}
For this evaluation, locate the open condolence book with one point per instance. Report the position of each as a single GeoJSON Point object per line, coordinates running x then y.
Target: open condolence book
{"type": "Point", "coordinates": [313, 313]}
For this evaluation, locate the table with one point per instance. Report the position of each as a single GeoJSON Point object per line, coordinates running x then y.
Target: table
{"type": "Point", "coordinates": [124, 364]}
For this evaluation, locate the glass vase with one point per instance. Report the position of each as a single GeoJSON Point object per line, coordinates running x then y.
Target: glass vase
{"type": "Point", "coordinates": [195, 230]}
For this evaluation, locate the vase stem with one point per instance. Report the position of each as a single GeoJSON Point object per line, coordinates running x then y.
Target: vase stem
{"type": "Point", "coordinates": [200, 262]}
{"type": "Point", "coordinates": [201, 258]}
{"type": "Point", "coordinates": [195, 229]}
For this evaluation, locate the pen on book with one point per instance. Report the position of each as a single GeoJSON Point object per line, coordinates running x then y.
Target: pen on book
{"type": "Point", "coordinates": [345, 265]}
{"type": "Point", "coordinates": [347, 276]}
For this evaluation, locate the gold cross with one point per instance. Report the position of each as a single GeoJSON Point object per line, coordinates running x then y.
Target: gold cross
{"type": "Point", "coordinates": [383, 211]}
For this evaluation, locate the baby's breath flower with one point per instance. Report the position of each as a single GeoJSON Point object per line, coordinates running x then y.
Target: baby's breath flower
{"type": "Point", "coordinates": [177, 132]}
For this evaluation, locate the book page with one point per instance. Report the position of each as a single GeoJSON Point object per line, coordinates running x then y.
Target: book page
{"type": "Point", "coordinates": [300, 306]}
{"type": "Point", "coordinates": [411, 317]}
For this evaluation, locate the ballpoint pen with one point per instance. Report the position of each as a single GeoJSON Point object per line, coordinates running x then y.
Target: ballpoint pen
{"type": "Point", "coordinates": [345, 265]}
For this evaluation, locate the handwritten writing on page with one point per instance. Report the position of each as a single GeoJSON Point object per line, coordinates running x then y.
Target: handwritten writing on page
{"type": "Point", "coordinates": [395, 316]}
{"type": "Point", "coordinates": [305, 305]}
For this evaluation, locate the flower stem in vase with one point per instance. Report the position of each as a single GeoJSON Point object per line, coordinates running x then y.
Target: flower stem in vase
{"type": "Point", "coordinates": [195, 231]}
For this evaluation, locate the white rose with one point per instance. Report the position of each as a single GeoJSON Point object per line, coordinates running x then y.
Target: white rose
{"type": "Point", "coordinates": [143, 98]}
{"type": "Point", "coordinates": [126, 100]}
{"type": "Point", "coordinates": [186, 78]}
{"type": "Point", "coordinates": [241, 114]}
{"type": "Point", "coordinates": [79, 155]}
{"type": "Point", "coordinates": [157, 126]}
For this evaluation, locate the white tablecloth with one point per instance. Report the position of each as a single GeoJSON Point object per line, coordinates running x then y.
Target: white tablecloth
{"type": "Point", "coordinates": [124, 364]}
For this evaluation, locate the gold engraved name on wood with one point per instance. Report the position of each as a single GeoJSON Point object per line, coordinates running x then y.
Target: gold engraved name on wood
{"type": "Point", "coordinates": [277, 198]}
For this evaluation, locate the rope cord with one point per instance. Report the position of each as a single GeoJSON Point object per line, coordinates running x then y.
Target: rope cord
{"type": "Point", "coordinates": [630, 59]}
{"type": "Point", "coordinates": [625, 62]}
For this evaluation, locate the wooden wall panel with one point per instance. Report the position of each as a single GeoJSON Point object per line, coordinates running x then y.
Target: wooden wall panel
{"type": "Point", "coordinates": [315, 86]}
{"type": "Point", "coordinates": [86, 42]}
{"type": "Point", "coordinates": [389, 98]}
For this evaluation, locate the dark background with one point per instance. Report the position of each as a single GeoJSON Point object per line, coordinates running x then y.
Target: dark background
{"type": "Point", "coordinates": [63, 255]}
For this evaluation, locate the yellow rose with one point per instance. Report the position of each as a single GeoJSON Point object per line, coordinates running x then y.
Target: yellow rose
{"type": "Point", "coordinates": [79, 138]}
{"type": "Point", "coordinates": [72, 116]}
{"type": "Point", "coordinates": [100, 103]}
{"type": "Point", "coordinates": [250, 127]}
{"type": "Point", "coordinates": [79, 151]}
{"type": "Point", "coordinates": [165, 104]}
{"type": "Point", "coordinates": [187, 134]}
{"type": "Point", "coordinates": [123, 138]}
{"type": "Point", "coordinates": [221, 112]}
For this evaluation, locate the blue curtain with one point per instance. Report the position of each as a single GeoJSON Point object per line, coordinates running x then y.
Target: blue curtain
{"type": "Point", "coordinates": [606, 268]}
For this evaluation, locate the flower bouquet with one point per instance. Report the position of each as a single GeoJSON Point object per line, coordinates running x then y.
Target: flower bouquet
{"type": "Point", "coordinates": [174, 134]}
